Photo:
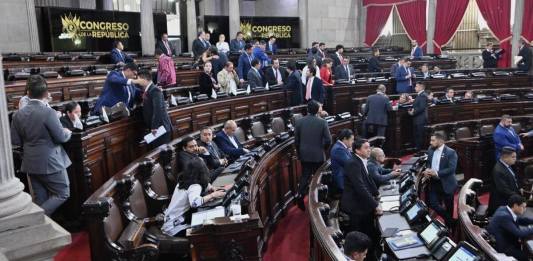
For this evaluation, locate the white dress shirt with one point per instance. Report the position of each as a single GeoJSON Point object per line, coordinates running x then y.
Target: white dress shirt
{"type": "Point", "coordinates": [365, 162]}
{"type": "Point", "coordinates": [435, 161]}
{"type": "Point", "coordinates": [512, 213]}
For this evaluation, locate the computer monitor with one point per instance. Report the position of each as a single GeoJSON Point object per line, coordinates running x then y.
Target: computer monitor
{"type": "Point", "coordinates": [430, 233]}
{"type": "Point", "coordinates": [412, 212]}
{"type": "Point", "coordinates": [406, 195]}
{"type": "Point", "coordinates": [464, 252]}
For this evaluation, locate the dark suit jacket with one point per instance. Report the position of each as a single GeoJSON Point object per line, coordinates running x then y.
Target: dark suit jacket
{"type": "Point", "coordinates": [118, 56]}
{"type": "Point", "coordinates": [373, 64]}
{"type": "Point", "coordinates": [393, 69]}
{"type": "Point", "coordinates": [271, 77]}
{"type": "Point", "coordinates": [235, 45]}
{"type": "Point", "coordinates": [360, 191]}
{"type": "Point", "coordinates": [341, 73]}
{"type": "Point", "coordinates": [206, 84]}
{"type": "Point", "coordinates": [336, 60]}
{"type": "Point", "coordinates": [255, 79]}
{"type": "Point", "coordinates": [420, 109]}
{"type": "Point", "coordinates": [489, 61]}
{"type": "Point", "coordinates": [506, 231]}
{"type": "Point", "coordinates": [295, 85]}
{"type": "Point", "coordinates": [198, 47]}
{"type": "Point", "coordinates": [418, 52]}
{"type": "Point", "coordinates": [273, 48]}
{"type": "Point", "coordinates": [503, 137]}
{"type": "Point", "coordinates": [525, 63]}
{"type": "Point", "coordinates": [66, 122]}
{"type": "Point", "coordinates": [161, 46]}
{"type": "Point", "coordinates": [311, 137]}
{"type": "Point", "coordinates": [116, 90]}
{"type": "Point", "coordinates": [244, 66]}
{"type": "Point", "coordinates": [223, 142]}
{"type": "Point", "coordinates": [215, 155]}
{"type": "Point", "coordinates": [447, 167]}
{"type": "Point", "coordinates": [403, 84]}
{"type": "Point", "coordinates": [185, 157]}
{"type": "Point", "coordinates": [317, 90]}
{"type": "Point", "coordinates": [379, 175]}
{"type": "Point", "coordinates": [339, 155]}
{"type": "Point", "coordinates": [503, 186]}
{"type": "Point", "coordinates": [154, 109]}
{"type": "Point", "coordinates": [376, 109]}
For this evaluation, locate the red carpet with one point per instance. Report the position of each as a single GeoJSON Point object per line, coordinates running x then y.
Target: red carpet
{"type": "Point", "coordinates": [78, 250]}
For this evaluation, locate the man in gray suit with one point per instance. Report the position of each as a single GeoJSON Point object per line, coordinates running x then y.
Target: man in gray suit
{"type": "Point", "coordinates": [255, 79]}
{"type": "Point", "coordinates": [38, 130]}
{"type": "Point", "coordinates": [376, 113]}
{"type": "Point", "coordinates": [311, 137]}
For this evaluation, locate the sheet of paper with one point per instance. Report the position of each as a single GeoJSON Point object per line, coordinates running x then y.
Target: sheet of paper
{"type": "Point", "coordinates": [390, 205]}
{"type": "Point", "coordinates": [390, 198]}
{"type": "Point", "coordinates": [150, 137]}
{"type": "Point", "coordinates": [199, 218]}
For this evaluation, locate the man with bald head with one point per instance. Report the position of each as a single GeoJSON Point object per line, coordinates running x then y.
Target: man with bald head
{"type": "Point", "coordinates": [228, 143]}
{"type": "Point", "coordinates": [375, 168]}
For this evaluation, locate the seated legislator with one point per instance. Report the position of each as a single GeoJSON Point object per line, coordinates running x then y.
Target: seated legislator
{"type": "Point", "coordinates": [166, 71]}
{"type": "Point", "coordinates": [356, 245]}
{"type": "Point", "coordinates": [213, 156]}
{"type": "Point", "coordinates": [207, 81]}
{"type": "Point", "coordinates": [275, 74]}
{"type": "Point", "coordinates": [340, 154]}
{"type": "Point", "coordinates": [228, 79]}
{"type": "Point", "coordinates": [449, 96]}
{"type": "Point", "coordinates": [424, 72]}
{"type": "Point", "coordinates": [118, 56]}
{"type": "Point", "coordinates": [504, 180]}
{"type": "Point", "coordinates": [255, 77]}
{"type": "Point", "coordinates": [71, 119]}
{"type": "Point", "coordinates": [294, 84]}
{"type": "Point", "coordinates": [469, 95]}
{"type": "Point", "coordinates": [440, 173]}
{"type": "Point", "coordinates": [344, 70]}
{"type": "Point", "coordinates": [376, 112]}
{"type": "Point", "coordinates": [192, 191]}
{"type": "Point", "coordinates": [373, 62]}
{"type": "Point", "coordinates": [377, 172]}
{"type": "Point", "coordinates": [191, 151]}
{"type": "Point", "coordinates": [119, 87]}
{"type": "Point", "coordinates": [505, 136]}
{"type": "Point", "coordinates": [437, 71]}
{"type": "Point", "coordinates": [505, 226]}
{"type": "Point", "coordinates": [228, 143]}
{"type": "Point", "coordinates": [314, 90]}
{"type": "Point", "coordinates": [325, 72]}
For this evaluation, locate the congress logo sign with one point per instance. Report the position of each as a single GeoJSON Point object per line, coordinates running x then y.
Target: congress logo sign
{"type": "Point", "coordinates": [75, 29]}
{"type": "Point", "coordinates": [265, 31]}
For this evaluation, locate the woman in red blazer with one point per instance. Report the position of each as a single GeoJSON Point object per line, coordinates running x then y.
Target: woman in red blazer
{"type": "Point", "coordinates": [325, 72]}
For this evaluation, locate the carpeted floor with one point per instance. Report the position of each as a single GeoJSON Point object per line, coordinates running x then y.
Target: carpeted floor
{"type": "Point", "coordinates": [78, 250]}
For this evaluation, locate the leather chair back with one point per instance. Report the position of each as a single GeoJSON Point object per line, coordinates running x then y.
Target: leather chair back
{"type": "Point", "coordinates": [278, 125]}
{"type": "Point", "coordinates": [295, 118]}
{"type": "Point", "coordinates": [258, 129]}
{"type": "Point", "coordinates": [463, 133]}
{"type": "Point", "coordinates": [113, 223]}
{"type": "Point", "coordinates": [137, 201]}
{"type": "Point", "coordinates": [486, 130]}
{"type": "Point", "coordinates": [239, 134]}
{"type": "Point", "coordinates": [159, 181]}
{"type": "Point", "coordinates": [443, 133]}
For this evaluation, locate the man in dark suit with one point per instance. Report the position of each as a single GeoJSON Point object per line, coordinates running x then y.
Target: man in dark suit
{"type": "Point", "coordinates": [373, 62]}
{"type": "Point", "coordinates": [155, 112]}
{"type": "Point", "coordinates": [71, 119]}
{"type": "Point", "coordinates": [504, 181]}
{"type": "Point", "coordinates": [294, 84]}
{"type": "Point", "coordinates": [449, 96]}
{"type": "Point", "coordinates": [376, 112]}
{"type": "Point", "coordinates": [165, 46]}
{"type": "Point", "coordinates": [403, 78]}
{"type": "Point", "coordinates": [359, 199]}
{"type": "Point", "coordinates": [275, 74]}
{"type": "Point", "coordinates": [344, 70]}
{"type": "Point", "coordinates": [424, 72]}
{"type": "Point", "coordinates": [337, 56]}
{"type": "Point", "coordinates": [213, 157]}
{"type": "Point", "coordinates": [420, 115]}
{"type": "Point", "coordinates": [255, 77]}
{"type": "Point", "coordinates": [237, 44]}
{"type": "Point", "coordinates": [117, 54]}
{"type": "Point", "coordinates": [271, 45]}
{"type": "Point", "coordinates": [341, 152]}
{"type": "Point", "coordinates": [441, 165]}
{"type": "Point", "coordinates": [119, 87]}
{"type": "Point", "coordinates": [525, 52]}
{"type": "Point", "coordinates": [490, 58]}
{"type": "Point", "coordinates": [36, 128]}
{"type": "Point", "coordinates": [311, 137]}
{"type": "Point", "coordinates": [199, 45]}
{"type": "Point", "coordinates": [245, 63]}
{"type": "Point", "coordinates": [377, 172]}
{"type": "Point", "coordinates": [320, 54]}
{"type": "Point", "coordinates": [228, 143]}
{"type": "Point", "coordinates": [505, 136]}
{"type": "Point", "coordinates": [314, 89]}
{"type": "Point", "coordinates": [416, 52]}
{"type": "Point", "coordinates": [505, 226]}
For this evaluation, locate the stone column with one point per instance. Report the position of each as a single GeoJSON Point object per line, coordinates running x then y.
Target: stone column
{"type": "Point", "coordinates": [432, 9]}
{"type": "Point", "coordinates": [25, 232]}
{"type": "Point", "coordinates": [84, 4]}
{"type": "Point", "coordinates": [304, 26]}
{"type": "Point", "coordinates": [192, 28]}
{"type": "Point", "coordinates": [362, 26]}
{"type": "Point", "coordinates": [107, 5]}
{"type": "Point", "coordinates": [32, 24]}
{"type": "Point", "coordinates": [517, 29]}
{"type": "Point", "coordinates": [147, 28]}
{"type": "Point", "coordinates": [234, 18]}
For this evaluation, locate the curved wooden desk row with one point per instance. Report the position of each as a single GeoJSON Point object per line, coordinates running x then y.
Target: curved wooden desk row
{"type": "Point", "coordinates": [273, 182]}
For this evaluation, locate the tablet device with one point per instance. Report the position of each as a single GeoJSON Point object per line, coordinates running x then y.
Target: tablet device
{"type": "Point", "coordinates": [463, 252]}
{"type": "Point", "coordinates": [430, 234]}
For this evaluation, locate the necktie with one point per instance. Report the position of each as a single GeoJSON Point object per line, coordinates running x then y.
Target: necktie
{"type": "Point", "coordinates": [213, 151]}
{"type": "Point", "coordinates": [308, 88]}
{"type": "Point", "coordinates": [276, 74]}
{"type": "Point", "coordinates": [168, 48]}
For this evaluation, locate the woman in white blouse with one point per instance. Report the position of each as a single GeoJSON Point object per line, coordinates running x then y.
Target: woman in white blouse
{"type": "Point", "coordinates": [193, 191]}
{"type": "Point", "coordinates": [222, 45]}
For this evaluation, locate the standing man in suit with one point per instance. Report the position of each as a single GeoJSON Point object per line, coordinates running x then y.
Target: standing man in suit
{"type": "Point", "coordinates": [166, 71]}
{"type": "Point", "coordinates": [199, 45]}
{"type": "Point", "coordinates": [311, 137]}
{"type": "Point", "coordinates": [294, 84]}
{"type": "Point", "coordinates": [255, 77]}
{"type": "Point", "coordinates": [259, 53]}
{"type": "Point", "coordinates": [274, 74]}
{"type": "Point", "coordinates": [228, 143]}
{"type": "Point", "coordinates": [118, 56]}
{"type": "Point", "coordinates": [337, 56]}
{"type": "Point", "coordinates": [376, 112]}
{"type": "Point", "coordinates": [245, 63]}
{"type": "Point", "coordinates": [213, 157]}
{"type": "Point", "coordinates": [490, 58]}
{"type": "Point", "coordinates": [377, 172]}
{"type": "Point", "coordinates": [505, 227]}
{"type": "Point", "coordinates": [525, 52]}
{"type": "Point", "coordinates": [441, 166]}
{"type": "Point", "coordinates": [165, 46]}
{"type": "Point", "coordinates": [271, 45]}
{"type": "Point", "coordinates": [237, 44]}
{"type": "Point", "coordinates": [403, 77]}
{"type": "Point", "coordinates": [341, 152]}
{"type": "Point", "coordinates": [373, 62]}
{"type": "Point", "coordinates": [344, 70]}
{"type": "Point", "coordinates": [320, 54]}
{"type": "Point", "coordinates": [420, 115]}
{"type": "Point", "coordinates": [71, 119]}
{"type": "Point", "coordinates": [416, 52]}
{"type": "Point", "coordinates": [119, 87]}
{"type": "Point", "coordinates": [504, 180]}
{"type": "Point", "coordinates": [314, 89]}
{"type": "Point", "coordinates": [37, 129]}
{"type": "Point", "coordinates": [505, 136]}
{"type": "Point", "coordinates": [360, 193]}
{"type": "Point", "coordinates": [155, 112]}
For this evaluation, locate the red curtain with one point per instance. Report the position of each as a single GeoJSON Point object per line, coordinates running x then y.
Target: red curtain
{"type": "Point", "coordinates": [413, 17]}
{"type": "Point", "coordinates": [497, 13]}
{"type": "Point", "coordinates": [527, 22]}
{"type": "Point", "coordinates": [376, 17]}
{"type": "Point", "coordinates": [384, 2]}
{"type": "Point", "coordinates": [448, 16]}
